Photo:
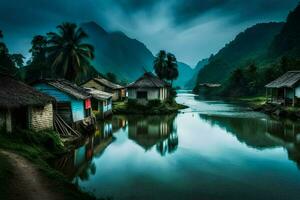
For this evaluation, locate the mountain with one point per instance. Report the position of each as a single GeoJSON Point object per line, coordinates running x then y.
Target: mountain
{"type": "Point", "coordinates": [287, 42]}
{"type": "Point", "coordinates": [185, 73]}
{"type": "Point", "coordinates": [126, 57]}
{"type": "Point", "coordinates": [191, 82]}
{"type": "Point", "coordinates": [252, 44]}
{"type": "Point", "coordinates": [117, 53]}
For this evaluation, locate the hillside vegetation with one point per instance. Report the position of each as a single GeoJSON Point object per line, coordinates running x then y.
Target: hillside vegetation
{"type": "Point", "coordinates": [255, 57]}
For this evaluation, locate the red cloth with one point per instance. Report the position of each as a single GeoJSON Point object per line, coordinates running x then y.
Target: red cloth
{"type": "Point", "coordinates": [88, 104]}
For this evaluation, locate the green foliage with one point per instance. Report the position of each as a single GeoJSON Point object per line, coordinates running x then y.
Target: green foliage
{"type": "Point", "coordinates": [111, 77]}
{"type": "Point", "coordinates": [165, 66]}
{"type": "Point", "coordinates": [154, 107]}
{"type": "Point", "coordinates": [68, 55]}
{"type": "Point", "coordinates": [250, 81]}
{"type": "Point", "coordinates": [248, 46]}
{"type": "Point", "coordinates": [154, 103]}
{"type": "Point", "coordinates": [288, 41]}
{"type": "Point", "coordinates": [7, 65]}
{"type": "Point", "coordinates": [160, 64]}
{"type": "Point", "coordinates": [6, 174]}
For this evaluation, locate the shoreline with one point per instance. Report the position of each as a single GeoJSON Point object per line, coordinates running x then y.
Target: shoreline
{"type": "Point", "coordinates": [121, 108]}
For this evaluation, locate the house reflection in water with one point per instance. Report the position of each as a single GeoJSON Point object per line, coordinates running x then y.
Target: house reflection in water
{"type": "Point", "coordinates": [287, 133]}
{"type": "Point", "coordinates": [152, 131]}
{"type": "Point", "coordinates": [77, 163]}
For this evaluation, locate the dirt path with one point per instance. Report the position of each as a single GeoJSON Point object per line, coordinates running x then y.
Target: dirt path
{"type": "Point", "coordinates": [28, 183]}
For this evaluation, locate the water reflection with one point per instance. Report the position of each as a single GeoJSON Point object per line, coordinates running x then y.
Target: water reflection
{"type": "Point", "coordinates": [262, 133]}
{"type": "Point", "coordinates": [212, 150]}
{"type": "Point", "coordinates": [159, 131]}
{"type": "Point", "coordinates": [79, 161]}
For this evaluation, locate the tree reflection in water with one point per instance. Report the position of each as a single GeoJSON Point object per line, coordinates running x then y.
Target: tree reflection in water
{"type": "Point", "coordinates": [262, 133]}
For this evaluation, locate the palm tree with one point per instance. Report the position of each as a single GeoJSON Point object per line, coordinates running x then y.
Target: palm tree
{"type": "Point", "coordinates": [172, 68]}
{"type": "Point", "coordinates": [67, 52]}
{"type": "Point", "coordinates": [160, 64]}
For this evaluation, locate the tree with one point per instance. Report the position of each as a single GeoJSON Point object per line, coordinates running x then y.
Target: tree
{"type": "Point", "coordinates": [111, 77]}
{"type": "Point", "coordinates": [160, 64]}
{"type": "Point", "coordinates": [38, 49]}
{"type": "Point", "coordinates": [18, 59]}
{"type": "Point", "coordinates": [6, 64]}
{"type": "Point", "coordinates": [172, 68]}
{"type": "Point", "coordinates": [68, 55]}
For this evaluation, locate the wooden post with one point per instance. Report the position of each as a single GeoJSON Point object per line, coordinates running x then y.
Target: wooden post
{"type": "Point", "coordinates": [284, 96]}
{"type": "Point", "coordinates": [294, 97]}
{"type": "Point", "coordinates": [8, 121]}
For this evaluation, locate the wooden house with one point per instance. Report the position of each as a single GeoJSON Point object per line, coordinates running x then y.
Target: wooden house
{"type": "Point", "coordinates": [73, 103]}
{"type": "Point", "coordinates": [148, 87]}
{"type": "Point", "coordinates": [21, 106]}
{"type": "Point", "coordinates": [101, 102]}
{"type": "Point", "coordinates": [285, 89]}
{"type": "Point", "coordinates": [118, 92]}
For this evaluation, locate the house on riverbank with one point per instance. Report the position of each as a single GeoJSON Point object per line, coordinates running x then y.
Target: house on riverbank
{"type": "Point", "coordinates": [285, 89]}
{"type": "Point", "coordinates": [101, 102]}
{"type": "Point", "coordinates": [118, 92]}
{"type": "Point", "coordinates": [148, 87]}
{"type": "Point", "coordinates": [21, 106]}
{"type": "Point", "coordinates": [73, 103]}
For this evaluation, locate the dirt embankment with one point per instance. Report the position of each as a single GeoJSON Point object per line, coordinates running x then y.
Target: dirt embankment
{"type": "Point", "coordinates": [28, 182]}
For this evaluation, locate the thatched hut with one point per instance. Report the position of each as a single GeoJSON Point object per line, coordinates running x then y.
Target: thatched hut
{"type": "Point", "coordinates": [285, 89]}
{"type": "Point", "coordinates": [118, 92]}
{"type": "Point", "coordinates": [148, 87]}
{"type": "Point", "coordinates": [101, 102]}
{"type": "Point", "coordinates": [21, 106]}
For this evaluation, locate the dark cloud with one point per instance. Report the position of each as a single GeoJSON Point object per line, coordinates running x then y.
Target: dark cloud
{"type": "Point", "coordinates": [240, 11]}
{"type": "Point", "coordinates": [192, 29]}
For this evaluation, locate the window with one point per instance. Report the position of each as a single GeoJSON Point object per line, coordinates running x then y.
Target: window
{"type": "Point", "coordinates": [142, 95]}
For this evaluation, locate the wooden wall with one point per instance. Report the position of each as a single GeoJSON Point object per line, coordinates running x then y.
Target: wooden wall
{"type": "Point", "coordinates": [77, 105]}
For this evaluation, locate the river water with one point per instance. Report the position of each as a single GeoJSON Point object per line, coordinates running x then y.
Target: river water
{"type": "Point", "coordinates": [212, 150]}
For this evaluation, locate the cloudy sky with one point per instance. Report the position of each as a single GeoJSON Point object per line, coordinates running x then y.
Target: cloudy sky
{"type": "Point", "coordinates": [192, 29]}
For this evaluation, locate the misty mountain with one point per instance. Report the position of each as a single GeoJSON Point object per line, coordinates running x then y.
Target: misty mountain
{"type": "Point", "coordinates": [248, 46]}
{"type": "Point", "coordinates": [117, 53]}
{"type": "Point", "coordinates": [191, 83]}
{"type": "Point", "coordinates": [127, 58]}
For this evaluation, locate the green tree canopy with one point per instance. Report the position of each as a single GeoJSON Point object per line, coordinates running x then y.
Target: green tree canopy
{"type": "Point", "coordinates": [160, 64]}
{"type": "Point", "coordinates": [68, 55]}
{"type": "Point", "coordinates": [38, 49]}
{"type": "Point", "coordinates": [165, 66]}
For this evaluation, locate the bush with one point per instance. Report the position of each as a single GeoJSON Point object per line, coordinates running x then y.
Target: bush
{"type": "Point", "coordinates": [154, 103]}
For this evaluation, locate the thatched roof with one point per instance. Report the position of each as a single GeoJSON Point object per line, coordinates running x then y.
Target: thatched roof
{"type": "Point", "coordinates": [14, 94]}
{"type": "Point", "coordinates": [148, 80]}
{"type": "Point", "coordinates": [288, 79]}
{"type": "Point", "coordinates": [97, 94]}
{"type": "Point", "coordinates": [107, 83]}
{"type": "Point", "coordinates": [67, 87]}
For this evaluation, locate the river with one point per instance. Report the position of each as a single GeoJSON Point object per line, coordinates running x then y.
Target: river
{"type": "Point", "coordinates": [212, 150]}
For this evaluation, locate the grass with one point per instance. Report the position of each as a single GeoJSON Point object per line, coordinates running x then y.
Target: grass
{"type": "Point", "coordinates": [153, 108]}
{"type": "Point", "coordinates": [6, 174]}
{"type": "Point", "coordinates": [37, 147]}
{"type": "Point", "coordinates": [254, 102]}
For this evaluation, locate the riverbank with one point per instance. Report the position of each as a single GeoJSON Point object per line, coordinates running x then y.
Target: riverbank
{"type": "Point", "coordinates": [155, 108]}
{"type": "Point", "coordinates": [259, 104]}
{"type": "Point", "coordinates": [32, 151]}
